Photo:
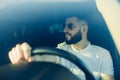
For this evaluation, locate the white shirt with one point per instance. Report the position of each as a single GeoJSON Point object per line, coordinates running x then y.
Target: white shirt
{"type": "Point", "coordinates": [97, 59]}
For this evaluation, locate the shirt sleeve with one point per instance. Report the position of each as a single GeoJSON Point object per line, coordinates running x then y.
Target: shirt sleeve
{"type": "Point", "coordinates": [107, 64]}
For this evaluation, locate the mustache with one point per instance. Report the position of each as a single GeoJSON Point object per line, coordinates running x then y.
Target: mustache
{"type": "Point", "coordinates": [66, 33]}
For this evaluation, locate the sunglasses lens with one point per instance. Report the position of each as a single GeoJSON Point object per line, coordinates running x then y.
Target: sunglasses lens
{"type": "Point", "coordinates": [70, 26]}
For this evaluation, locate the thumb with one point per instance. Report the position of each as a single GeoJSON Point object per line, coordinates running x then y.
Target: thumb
{"type": "Point", "coordinates": [30, 59]}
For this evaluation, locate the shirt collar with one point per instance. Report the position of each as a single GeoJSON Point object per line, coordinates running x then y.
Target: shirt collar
{"type": "Point", "coordinates": [82, 49]}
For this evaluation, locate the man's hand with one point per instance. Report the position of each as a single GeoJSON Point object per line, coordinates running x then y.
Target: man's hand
{"type": "Point", "coordinates": [20, 53]}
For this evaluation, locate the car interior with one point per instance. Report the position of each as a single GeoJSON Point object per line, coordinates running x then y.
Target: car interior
{"type": "Point", "coordinates": [41, 23]}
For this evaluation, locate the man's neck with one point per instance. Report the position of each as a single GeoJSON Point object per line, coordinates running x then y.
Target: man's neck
{"type": "Point", "coordinates": [81, 44]}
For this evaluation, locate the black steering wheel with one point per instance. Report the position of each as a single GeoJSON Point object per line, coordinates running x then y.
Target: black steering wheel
{"type": "Point", "coordinates": [44, 70]}
{"type": "Point", "coordinates": [66, 55]}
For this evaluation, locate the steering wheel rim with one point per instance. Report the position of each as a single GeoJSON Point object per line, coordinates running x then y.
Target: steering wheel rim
{"type": "Point", "coordinates": [67, 55]}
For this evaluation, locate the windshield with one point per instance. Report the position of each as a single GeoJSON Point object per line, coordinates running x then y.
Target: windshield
{"type": "Point", "coordinates": [41, 23]}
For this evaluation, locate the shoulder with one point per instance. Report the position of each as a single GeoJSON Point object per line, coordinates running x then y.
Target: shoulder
{"type": "Point", "coordinates": [99, 49]}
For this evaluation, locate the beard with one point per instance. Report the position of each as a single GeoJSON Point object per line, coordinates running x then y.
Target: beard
{"type": "Point", "coordinates": [74, 39]}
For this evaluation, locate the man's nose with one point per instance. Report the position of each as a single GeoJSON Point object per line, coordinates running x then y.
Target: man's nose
{"type": "Point", "coordinates": [65, 29]}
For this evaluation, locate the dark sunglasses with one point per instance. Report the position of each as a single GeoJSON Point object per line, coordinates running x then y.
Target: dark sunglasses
{"type": "Point", "coordinates": [69, 25]}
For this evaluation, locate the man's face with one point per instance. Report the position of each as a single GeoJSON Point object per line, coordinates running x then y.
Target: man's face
{"type": "Point", "coordinates": [72, 31]}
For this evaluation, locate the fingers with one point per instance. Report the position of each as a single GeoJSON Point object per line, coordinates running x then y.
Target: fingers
{"type": "Point", "coordinates": [18, 52]}
{"type": "Point", "coordinates": [21, 52]}
{"type": "Point", "coordinates": [26, 50]}
{"type": "Point", "coordinates": [15, 54]}
{"type": "Point", "coordinates": [12, 58]}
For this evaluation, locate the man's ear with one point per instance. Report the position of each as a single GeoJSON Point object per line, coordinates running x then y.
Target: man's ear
{"type": "Point", "coordinates": [84, 29]}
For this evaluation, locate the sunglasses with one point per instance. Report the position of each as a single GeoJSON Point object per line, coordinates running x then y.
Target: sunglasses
{"type": "Point", "coordinates": [69, 25]}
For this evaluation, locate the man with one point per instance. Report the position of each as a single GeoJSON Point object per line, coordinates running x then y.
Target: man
{"type": "Point", "coordinates": [97, 59]}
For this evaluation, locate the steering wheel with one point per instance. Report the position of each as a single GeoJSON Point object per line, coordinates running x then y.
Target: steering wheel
{"type": "Point", "coordinates": [66, 55]}
{"type": "Point", "coordinates": [44, 70]}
